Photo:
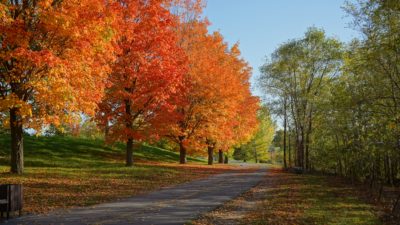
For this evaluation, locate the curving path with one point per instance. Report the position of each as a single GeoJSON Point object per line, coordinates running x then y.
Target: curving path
{"type": "Point", "coordinates": [174, 205]}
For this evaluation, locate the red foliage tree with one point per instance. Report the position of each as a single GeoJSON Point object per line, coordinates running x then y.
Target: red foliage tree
{"type": "Point", "coordinates": [148, 70]}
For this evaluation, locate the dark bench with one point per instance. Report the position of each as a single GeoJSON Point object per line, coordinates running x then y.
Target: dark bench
{"type": "Point", "coordinates": [10, 199]}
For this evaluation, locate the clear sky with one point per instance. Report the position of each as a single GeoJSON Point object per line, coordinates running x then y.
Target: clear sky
{"type": "Point", "coordinates": [260, 26]}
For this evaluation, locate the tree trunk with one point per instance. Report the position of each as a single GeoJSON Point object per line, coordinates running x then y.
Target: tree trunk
{"type": "Point", "coordinates": [284, 135]}
{"type": "Point", "coordinates": [390, 170]}
{"type": "Point", "coordinates": [129, 142]}
{"type": "Point", "coordinates": [386, 173]}
{"type": "Point", "coordinates": [302, 149]}
{"type": "Point", "coordinates": [182, 154]}
{"type": "Point", "coordinates": [255, 151]}
{"type": "Point", "coordinates": [307, 144]}
{"type": "Point", "coordinates": [307, 160]}
{"type": "Point", "coordinates": [220, 156]}
{"type": "Point", "coordinates": [106, 130]}
{"type": "Point", "coordinates": [393, 172]}
{"type": "Point", "coordinates": [226, 161]}
{"type": "Point", "coordinates": [210, 155]}
{"type": "Point", "coordinates": [17, 142]}
{"type": "Point", "coordinates": [289, 151]}
{"type": "Point", "coordinates": [129, 152]}
{"type": "Point", "coordinates": [298, 151]}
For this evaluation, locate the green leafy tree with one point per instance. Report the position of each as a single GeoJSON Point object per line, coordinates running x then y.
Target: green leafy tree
{"type": "Point", "coordinates": [297, 73]}
{"type": "Point", "coordinates": [257, 148]}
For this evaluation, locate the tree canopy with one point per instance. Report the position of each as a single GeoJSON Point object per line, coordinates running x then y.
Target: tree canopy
{"type": "Point", "coordinates": [142, 70]}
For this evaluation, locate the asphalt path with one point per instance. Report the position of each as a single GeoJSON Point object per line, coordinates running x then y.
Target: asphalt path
{"type": "Point", "coordinates": [169, 206]}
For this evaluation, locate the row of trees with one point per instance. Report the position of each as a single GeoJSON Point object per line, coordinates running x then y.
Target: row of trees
{"type": "Point", "coordinates": [259, 148]}
{"type": "Point", "coordinates": [339, 103]}
{"type": "Point", "coordinates": [143, 69]}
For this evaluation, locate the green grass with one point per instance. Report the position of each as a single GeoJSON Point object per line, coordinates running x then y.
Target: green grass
{"type": "Point", "coordinates": [63, 172]}
{"type": "Point", "coordinates": [71, 152]}
{"type": "Point", "coordinates": [311, 199]}
{"type": "Point", "coordinates": [331, 204]}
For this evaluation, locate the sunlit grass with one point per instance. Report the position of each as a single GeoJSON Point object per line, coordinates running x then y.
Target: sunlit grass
{"type": "Point", "coordinates": [62, 172]}
{"type": "Point", "coordinates": [310, 199]}
{"type": "Point", "coordinates": [70, 152]}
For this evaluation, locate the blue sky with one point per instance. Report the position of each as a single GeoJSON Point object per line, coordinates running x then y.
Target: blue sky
{"type": "Point", "coordinates": [260, 26]}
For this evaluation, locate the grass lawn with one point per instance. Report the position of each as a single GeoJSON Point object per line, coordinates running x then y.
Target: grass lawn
{"type": "Point", "coordinates": [62, 172]}
{"type": "Point", "coordinates": [309, 199]}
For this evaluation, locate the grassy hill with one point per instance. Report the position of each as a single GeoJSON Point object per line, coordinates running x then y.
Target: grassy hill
{"type": "Point", "coordinates": [62, 172]}
{"type": "Point", "coordinates": [71, 152]}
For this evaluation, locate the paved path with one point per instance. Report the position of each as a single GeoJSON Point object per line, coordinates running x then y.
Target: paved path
{"type": "Point", "coordinates": [169, 206]}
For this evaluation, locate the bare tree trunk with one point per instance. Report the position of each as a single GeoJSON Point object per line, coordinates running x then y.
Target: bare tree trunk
{"type": "Point", "coordinates": [182, 154]}
{"type": "Point", "coordinates": [129, 152]}
{"type": "Point", "coordinates": [210, 154]}
{"type": "Point", "coordinates": [390, 172]}
{"type": "Point", "coordinates": [307, 144]}
{"type": "Point", "coordinates": [302, 148]}
{"type": "Point", "coordinates": [393, 172]}
{"type": "Point", "coordinates": [284, 134]}
{"type": "Point", "coordinates": [296, 149]}
{"type": "Point", "coordinates": [307, 159]}
{"type": "Point", "coordinates": [106, 130]}
{"type": "Point", "coordinates": [386, 168]}
{"type": "Point", "coordinates": [289, 150]}
{"type": "Point", "coordinates": [129, 142]}
{"type": "Point", "coordinates": [17, 140]}
{"type": "Point", "coordinates": [226, 160]}
{"type": "Point", "coordinates": [255, 151]}
{"type": "Point", "coordinates": [220, 156]}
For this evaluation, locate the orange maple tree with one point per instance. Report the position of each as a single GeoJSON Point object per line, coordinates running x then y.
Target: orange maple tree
{"type": "Point", "coordinates": [242, 123]}
{"type": "Point", "coordinates": [148, 70]}
{"type": "Point", "coordinates": [53, 63]}
{"type": "Point", "coordinates": [217, 83]}
{"type": "Point", "coordinates": [230, 125]}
